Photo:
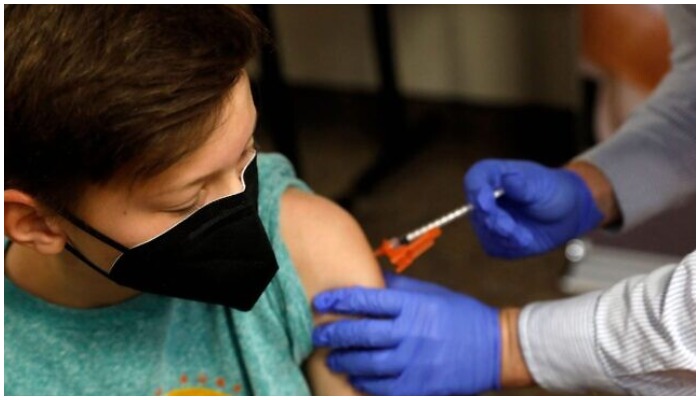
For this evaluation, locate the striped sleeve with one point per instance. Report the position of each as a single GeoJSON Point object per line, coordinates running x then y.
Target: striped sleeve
{"type": "Point", "coordinates": [637, 337]}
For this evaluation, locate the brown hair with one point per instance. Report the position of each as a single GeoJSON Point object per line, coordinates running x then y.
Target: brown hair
{"type": "Point", "coordinates": [98, 92]}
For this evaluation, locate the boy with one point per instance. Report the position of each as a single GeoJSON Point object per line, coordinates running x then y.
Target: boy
{"type": "Point", "coordinates": [151, 249]}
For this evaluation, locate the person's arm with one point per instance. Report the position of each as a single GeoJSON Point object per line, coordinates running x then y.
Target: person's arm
{"type": "Point", "coordinates": [601, 190]}
{"type": "Point", "coordinates": [650, 161]}
{"type": "Point", "coordinates": [637, 337]}
{"type": "Point", "coordinates": [329, 251]}
{"type": "Point", "coordinates": [417, 338]}
{"type": "Point", "coordinates": [648, 166]}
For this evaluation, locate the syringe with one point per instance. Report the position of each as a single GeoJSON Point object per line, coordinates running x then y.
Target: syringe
{"type": "Point", "coordinates": [403, 250]}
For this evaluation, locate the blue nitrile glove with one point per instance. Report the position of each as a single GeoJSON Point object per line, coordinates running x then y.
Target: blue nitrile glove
{"type": "Point", "coordinates": [541, 209]}
{"type": "Point", "coordinates": [417, 339]}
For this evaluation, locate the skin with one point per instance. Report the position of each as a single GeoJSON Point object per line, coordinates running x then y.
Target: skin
{"type": "Point", "coordinates": [326, 254]}
{"type": "Point", "coordinates": [514, 370]}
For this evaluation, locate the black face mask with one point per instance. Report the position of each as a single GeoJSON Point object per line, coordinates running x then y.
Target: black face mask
{"type": "Point", "coordinates": [220, 254]}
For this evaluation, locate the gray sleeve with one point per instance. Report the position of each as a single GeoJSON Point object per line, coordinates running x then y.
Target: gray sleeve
{"type": "Point", "coordinates": [650, 161]}
{"type": "Point", "coordinates": [637, 337]}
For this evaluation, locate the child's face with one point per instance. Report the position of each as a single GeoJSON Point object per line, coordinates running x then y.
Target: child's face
{"type": "Point", "coordinates": [133, 215]}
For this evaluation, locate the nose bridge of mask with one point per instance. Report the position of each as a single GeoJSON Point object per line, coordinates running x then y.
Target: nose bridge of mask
{"type": "Point", "coordinates": [241, 178]}
{"type": "Point", "coordinates": [241, 183]}
{"type": "Point", "coordinates": [251, 160]}
{"type": "Point", "coordinates": [123, 249]}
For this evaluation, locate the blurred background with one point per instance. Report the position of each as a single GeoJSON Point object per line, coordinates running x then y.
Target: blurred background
{"type": "Point", "coordinates": [384, 108]}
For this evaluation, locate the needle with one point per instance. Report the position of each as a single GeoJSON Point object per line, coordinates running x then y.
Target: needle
{"type": "Point", "coordinates": [442, 221]}
{"type": "Point", "coordinates": [403, 250]}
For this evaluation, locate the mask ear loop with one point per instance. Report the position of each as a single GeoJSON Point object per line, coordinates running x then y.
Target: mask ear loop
{"type": "Point", "coordinates": [84, 259]}
{"type": "Point", "coordinates": [94, 233]}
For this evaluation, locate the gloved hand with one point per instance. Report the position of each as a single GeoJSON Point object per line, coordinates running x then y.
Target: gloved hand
{"type": "Point", "coordinates": [418, 339]}
{"type": "Point", "coordinates": [541, 209]}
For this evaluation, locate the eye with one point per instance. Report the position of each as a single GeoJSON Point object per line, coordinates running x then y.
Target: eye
{"type": "Point", "coordinates": [186, 210]}
{"type": "Point", "coordinates": [191, 207]}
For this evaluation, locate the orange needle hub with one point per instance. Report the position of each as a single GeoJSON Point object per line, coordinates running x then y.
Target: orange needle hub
{"type": "Point", "coordinates": [403, 255]}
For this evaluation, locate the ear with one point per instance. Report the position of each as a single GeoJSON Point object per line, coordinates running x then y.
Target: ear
{"type": "Point", "coordinates": [29, 224]}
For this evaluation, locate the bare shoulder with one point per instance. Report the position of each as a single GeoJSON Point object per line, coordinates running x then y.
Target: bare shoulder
{"type": "Point", "coordinates": [329, 251]}
{"type": "Point", "coordinates": [326, 244]}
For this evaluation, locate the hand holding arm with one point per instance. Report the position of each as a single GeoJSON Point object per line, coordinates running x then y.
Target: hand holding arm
{"type": "Point", "coordinates": [418, 338]}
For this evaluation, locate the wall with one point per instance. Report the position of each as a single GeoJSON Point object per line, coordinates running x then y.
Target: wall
{"type": "Point", "coordinates": [487, 53]}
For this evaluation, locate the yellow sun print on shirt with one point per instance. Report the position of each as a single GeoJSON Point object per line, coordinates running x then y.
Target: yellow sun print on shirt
{"type": "Point", "coordinates": [200, 389]}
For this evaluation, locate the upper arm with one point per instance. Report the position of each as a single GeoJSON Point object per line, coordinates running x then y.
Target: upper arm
{"type": "Point", "coordinates": [329, 251]}
{"type": "Point", "coordinates": [326, 244]}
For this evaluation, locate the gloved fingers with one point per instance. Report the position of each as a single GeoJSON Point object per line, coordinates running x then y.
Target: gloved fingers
{"type": "Point", "coordinates": [509, 233]}
{"type": "Point", "coordinates": [492, 214]}
{"type": "Point", "coordinates": [366, 363]}
{"type": "Point", "coordinates": [400, 282]}
{"type": "Point", "coordinates": [522, 181]}
{"type": "Point", "coordinates": [484, 174]}
{"type": "Point", "coordinates": [495, 245]}
{"type": "Point", "coordinates": [482, 178]}
{"type": "Point", "coordinates": [500, 223]}
{"type": "Point", "coordinates": [360, 301]}
{"type": "Point", "coordinates": [378, 386]}
{"type": "Point", "coordinates": [521, 238]}
{"type": "Point", "coordinates": [485, 201]}
{"type": "Point", "coordinates": [496, 227]}
{"type": "Point", "coordinates": [358, 333]}
{"type": "Point", "coordinates": [518, 189]}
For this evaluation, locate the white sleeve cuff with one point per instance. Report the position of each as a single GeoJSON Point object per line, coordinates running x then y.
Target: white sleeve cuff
{"type": "Point", "coordinates": [558, 343]}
